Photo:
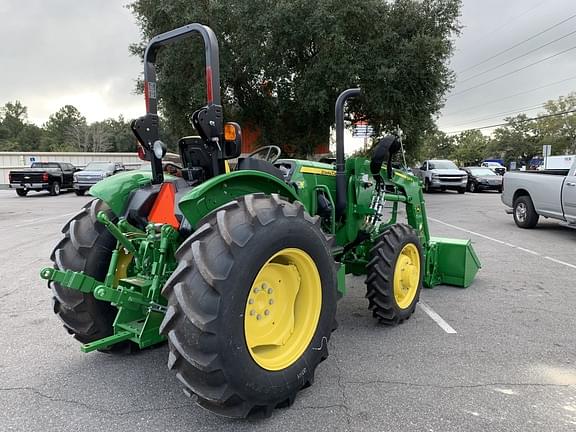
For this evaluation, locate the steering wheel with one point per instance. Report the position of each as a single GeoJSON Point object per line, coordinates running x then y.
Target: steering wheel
{"type": "Point", "coordinates": [272, 153]}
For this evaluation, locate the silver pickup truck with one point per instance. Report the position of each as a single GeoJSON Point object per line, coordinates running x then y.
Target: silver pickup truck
{"type": "Point", "coordinates": [529, 195]}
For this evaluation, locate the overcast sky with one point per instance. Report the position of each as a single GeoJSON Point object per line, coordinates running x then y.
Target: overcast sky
{"type": "Point", "coordinates": [61, 52]}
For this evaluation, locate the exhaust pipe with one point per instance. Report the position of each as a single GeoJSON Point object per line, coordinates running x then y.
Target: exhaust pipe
{"type": "Point", "coordinates": [341, 186]}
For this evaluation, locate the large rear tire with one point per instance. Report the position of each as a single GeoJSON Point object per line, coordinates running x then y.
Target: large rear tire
{"type": "Point", "coordinates": [237, 338]}
{"type": "Point", "coordinates": [87, 246]}
{"type": "Point", "coordinates": [395, 275]}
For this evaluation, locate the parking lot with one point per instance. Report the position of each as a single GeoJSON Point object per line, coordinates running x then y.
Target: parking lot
{"type": "Point", "coordinates": [497, 356]}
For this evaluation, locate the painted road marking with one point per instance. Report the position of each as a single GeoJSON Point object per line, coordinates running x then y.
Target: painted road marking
{"type": "Point", "coordinates": [560, 262]}
{"type": "Point", "coordinates": [436, 318]}
{"type": "Point", "coordinates": [531, 252]}
{"type": "Point", "coordinates": [39, 221]}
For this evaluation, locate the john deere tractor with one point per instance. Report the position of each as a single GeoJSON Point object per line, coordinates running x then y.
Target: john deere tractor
{"type": "Point", "coordinates": [241, 270]}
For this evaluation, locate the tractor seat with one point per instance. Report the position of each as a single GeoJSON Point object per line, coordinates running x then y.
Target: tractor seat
{"type": "Point", "coordinates": [259, 165]}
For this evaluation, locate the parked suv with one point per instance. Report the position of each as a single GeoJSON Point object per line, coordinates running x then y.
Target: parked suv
{"type": "Point", "coordinates": [443, 175]}
{"type": "Point", "coordinates": [93, 173]}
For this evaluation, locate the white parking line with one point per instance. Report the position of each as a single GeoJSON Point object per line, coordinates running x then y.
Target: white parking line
{"type": "Point", "coordinates": [560, 262]}
{"type": "Point", "coordinates": [531, 252]}
{"type": "Point", "coordinates": [38, 221]}
{"type": "Point", "coordinates": [436, 318]}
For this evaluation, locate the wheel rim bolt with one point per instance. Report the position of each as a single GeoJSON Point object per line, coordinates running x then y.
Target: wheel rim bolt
{"type": "Point", "coordinates": [256, 290]}
{"type": "Point", "coordinates": [269, 290]}
{"type": "Point", "coordinates": [252, 312]}
{"type": "Point", "coordinates": [266, 312]}
{"type": "Point", "coordinates": [258, 317]}
{"type": "Point", "coordinates": [251, 301]}
{"type": "Point", "coordinates": [264, 286]}
{"type": "Point", "coordinates": [271, 301]}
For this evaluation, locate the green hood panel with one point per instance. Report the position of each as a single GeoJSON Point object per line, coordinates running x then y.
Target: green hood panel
{"type": "Point", "coordinates": [115, 190]}
{"type": "Point", "coordinates": [217, 191]}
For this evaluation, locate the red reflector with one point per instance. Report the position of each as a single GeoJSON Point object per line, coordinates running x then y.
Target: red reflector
{"type": "Point", "coordinates": [163, 209]}
{"type": "Point", "coordinates": [209, 94]}
{"type": "Point", "coordinates": [146, 96]}
{"type": "Point", "coordinates": [141, 153]}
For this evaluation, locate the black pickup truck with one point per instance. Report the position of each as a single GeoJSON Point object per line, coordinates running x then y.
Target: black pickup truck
{"type": "Point", "coordinates": [50, 176]}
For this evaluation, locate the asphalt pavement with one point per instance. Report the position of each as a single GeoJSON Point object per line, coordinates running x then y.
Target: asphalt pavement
{"type": "Point", "coordinates": [498, 356]}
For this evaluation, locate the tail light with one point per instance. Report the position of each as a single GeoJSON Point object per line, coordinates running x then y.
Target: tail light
{"type": "Point", "coordinates": [44, 177]}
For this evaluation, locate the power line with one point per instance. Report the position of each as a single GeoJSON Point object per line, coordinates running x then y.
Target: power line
{"type": "Point", "coordinates": [514, 18]}
{"type": "Point", "coordinates": [517, 121]}
{"type": "Point", "coordinates": [513, 95]}
{"type": "Point", "coordinates": [518, 57]}
{"type": "Point", "coordinates": [519, 43]}
{"type": "Point", "coordinates": [498, 115]}
{"type": "Point", "coordinates": [512, 72]}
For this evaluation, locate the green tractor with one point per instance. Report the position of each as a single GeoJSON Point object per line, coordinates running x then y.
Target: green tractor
{"type": "Point", "coordinates": [240, 271]}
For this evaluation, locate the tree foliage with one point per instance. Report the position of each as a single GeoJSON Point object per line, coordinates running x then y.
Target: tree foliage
{"type": "Point", "coordinates": [283, 63]}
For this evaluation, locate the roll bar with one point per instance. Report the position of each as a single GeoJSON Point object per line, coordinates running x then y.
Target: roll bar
{"type": "Point", "coordinates": [210, 121]}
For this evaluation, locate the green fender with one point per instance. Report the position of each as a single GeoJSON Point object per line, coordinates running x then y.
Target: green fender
{"type": "Point", "coordinates": [217, 191]}
{"type": "Point", "coordinates": [116, 190]}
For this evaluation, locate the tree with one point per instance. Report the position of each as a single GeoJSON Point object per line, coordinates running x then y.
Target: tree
{"type": "Point", "coordinates": [66, 130]}
{"type": "Point", "coordinates": [284, 63]}
{"type": "Point", "coordinates": [436, 145]}
{"type": "Point", "coordinates": [471, 148]}
{"type": "Point", "coordinates": [520, 140]}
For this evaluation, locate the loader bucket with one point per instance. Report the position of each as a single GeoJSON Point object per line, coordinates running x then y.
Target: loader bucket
{"type": "Point", "coordinates": [451, 262]}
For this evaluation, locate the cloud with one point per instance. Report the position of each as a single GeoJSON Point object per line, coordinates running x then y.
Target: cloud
{"type": "Point", "coordinates": [69, 52]}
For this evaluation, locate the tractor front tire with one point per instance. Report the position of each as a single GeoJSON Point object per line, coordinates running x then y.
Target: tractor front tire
{"type": "Point", "coordinates": [395, 274]}
{"type": "Point", "coordinates": [251, 306]}
{"type": "Point", "coordinates": [87, 246]}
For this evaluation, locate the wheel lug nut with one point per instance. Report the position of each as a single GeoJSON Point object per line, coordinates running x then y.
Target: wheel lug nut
{"type": "Point", "coordinates": [252, 312]}
{"type": "Point", "coordinates": [264, 286]}
{"type": "Point", "coordinates": [256, 290]}
{"type": "Point", "coordinates": [271, 301]}
{"type": "Point", "coordinates": [269, 290]}
{"type": "Point", "coordinates": [258, 317]}
{"type": "Point", "coordinates": [266, 312]}
{"type": "Point", "coordinates": [250, 301]}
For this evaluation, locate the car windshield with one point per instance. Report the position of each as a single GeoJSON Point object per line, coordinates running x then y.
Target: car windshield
{"type": "Point", "coordinates": [98, 166]}
{"type": "Point", "coordinates": [442, 164]}
{"type": "Point", "coordinates": [482, 172]}
{"type": "Point", "coordinates": [45, 165]}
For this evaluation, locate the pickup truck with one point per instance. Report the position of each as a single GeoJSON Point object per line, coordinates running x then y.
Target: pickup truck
{"type": "Point", "coordinates": [50, 176]}
{"type": "Point", "coordinates": [93, 173]}
{"type": "Point", "coordinates": [529, 195]}
{"type": "Point", "coordinates": [443, 175]}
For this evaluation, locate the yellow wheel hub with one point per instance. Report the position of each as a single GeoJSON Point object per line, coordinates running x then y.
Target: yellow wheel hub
{"type": "Point", "coordinates": [406, 275]}
{"type": "Point", "coordinates": [283, 309]}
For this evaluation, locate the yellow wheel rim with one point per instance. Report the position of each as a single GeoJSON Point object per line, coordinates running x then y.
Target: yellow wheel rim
{"type": "Point", "coordinates": [283, 309]}
{"type": "Point", "coordinates": [406, 275]}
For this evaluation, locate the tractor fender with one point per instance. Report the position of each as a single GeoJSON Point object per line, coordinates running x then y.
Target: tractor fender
{"type": "Point", "coordinates": [115, 190]}
{"type": "Point", "coordinates": [208, 196]}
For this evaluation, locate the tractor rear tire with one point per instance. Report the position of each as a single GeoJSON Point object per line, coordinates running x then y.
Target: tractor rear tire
{"type": "Point", "coordinates": [392, 297]}
{"type": "Point", "coordinates": [87, 246]}
{"type": "Point", "coordinates": [217, 294]}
